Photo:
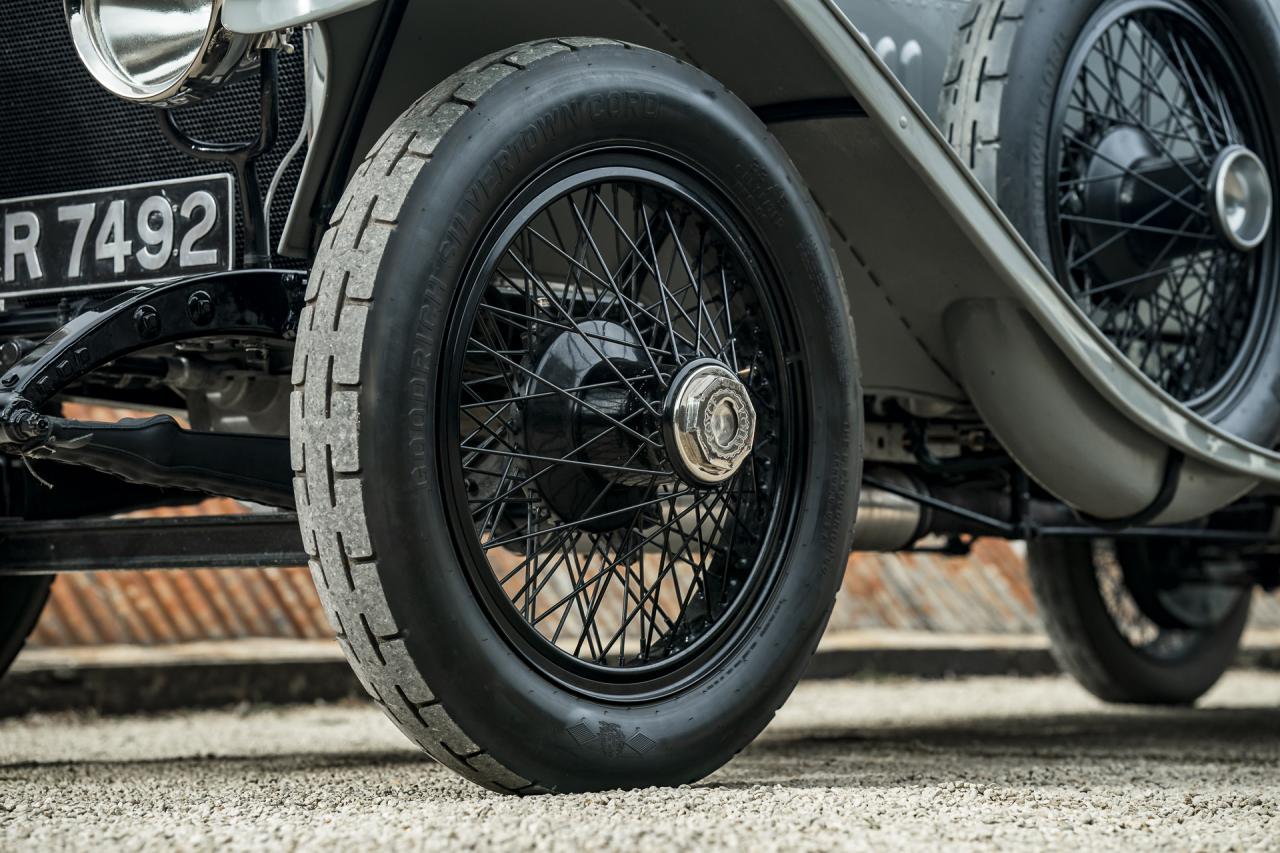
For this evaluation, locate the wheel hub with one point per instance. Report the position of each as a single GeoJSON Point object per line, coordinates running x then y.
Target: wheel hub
{"type": "Point", "coordinates": [1176, 588]}
{"type": "Point", "coordinates": [1128, 183]}
{"type": "Point", "coordinates": [580, 426]}
{"type": "Point", "coordinates": [1240, 191]}
{"type": "Point", "coordinates": [710, 423]}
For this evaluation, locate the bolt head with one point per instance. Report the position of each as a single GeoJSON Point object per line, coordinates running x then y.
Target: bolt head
{"type": "Point", "coordinates": [200, 308]}
{"type": "Point", "coordinates": [147, 321]}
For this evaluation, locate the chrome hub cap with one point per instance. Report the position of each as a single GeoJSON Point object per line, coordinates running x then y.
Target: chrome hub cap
{"type": "Point", "coordinates": [1241, 193]}
{"type": "Point", "coordinates": [712, 423]}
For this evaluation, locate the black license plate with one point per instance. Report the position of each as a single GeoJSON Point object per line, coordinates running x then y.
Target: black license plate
{"type": "Point", "coordinates": [115, 237]}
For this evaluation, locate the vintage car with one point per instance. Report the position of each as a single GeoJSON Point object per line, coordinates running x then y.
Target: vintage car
{"type": "Point", "coordinates": [531, 328]}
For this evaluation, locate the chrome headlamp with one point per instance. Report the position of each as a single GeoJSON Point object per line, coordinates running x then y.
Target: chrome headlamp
{"type": "Point", "coordinates": [162, 53]}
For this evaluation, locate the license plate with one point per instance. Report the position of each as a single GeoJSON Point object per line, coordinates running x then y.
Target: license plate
{"type": "Point", "coordinates": [119, 236]}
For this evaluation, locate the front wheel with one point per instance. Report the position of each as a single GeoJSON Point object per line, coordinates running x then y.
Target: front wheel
{"type": "Point", "coordinates": [577, 421]}
{"type": "Point", "coordinates": [1136, 621]}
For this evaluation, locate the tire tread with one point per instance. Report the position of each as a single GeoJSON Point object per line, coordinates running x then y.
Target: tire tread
{"type": "Point", "coordinates": [1069, 634]}
{"type": "Point", "coordinates": [17, 633]}
{"type": "Point", "coordinates": [974, 84]}
{"type": "Point", "coordinates": [325, 415]}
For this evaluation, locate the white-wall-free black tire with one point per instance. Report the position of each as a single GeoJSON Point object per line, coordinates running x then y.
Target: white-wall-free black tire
{"type": "Point", "coordinates": [367, 363]}
{"type": "Point", "coordinates": [1087, 643]}
{"type": "Point", "coordinates": [21, 602]}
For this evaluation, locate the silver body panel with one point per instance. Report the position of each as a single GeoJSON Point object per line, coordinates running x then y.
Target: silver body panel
{"type": "Point", "coordinates": [264, 16]}
{"type": "Point", "coordinates": [914, 39]}
{"type": "Point", "coordinates": [993, 305]}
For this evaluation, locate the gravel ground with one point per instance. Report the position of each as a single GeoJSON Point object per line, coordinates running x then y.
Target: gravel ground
{"type": "Point", "coordinates": [974, 764]}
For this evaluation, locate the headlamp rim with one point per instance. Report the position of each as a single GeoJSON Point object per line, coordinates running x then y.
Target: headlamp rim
{"type": "Point", "coordinates": [221, 56]}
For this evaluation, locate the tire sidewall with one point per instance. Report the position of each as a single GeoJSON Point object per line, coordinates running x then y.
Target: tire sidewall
{"type": "Point", "coordinates": [1066, 583]}
{"type": "Point", "coordinates": [519, 127]}
{"type": "Point", "coordinates": [1046, 39]}
{"type": "Point", "coordinates": [21, 601]}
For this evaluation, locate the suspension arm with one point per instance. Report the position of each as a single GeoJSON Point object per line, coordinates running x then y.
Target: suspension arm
{"type": "Point", "coordinates": [251, 304]}
{"type": "Point", "coordinates": [158, 452]}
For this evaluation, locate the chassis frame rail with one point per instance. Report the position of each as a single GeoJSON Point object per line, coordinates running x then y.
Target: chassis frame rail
{"type": "Point", "coordinates": [1024, 523]}
{"type": "Point", "coordinates": [261, 304]}
{"type": "Point", "coordinates": [200, 542]}
{"type": "Point", "coordinates": [48, 547]}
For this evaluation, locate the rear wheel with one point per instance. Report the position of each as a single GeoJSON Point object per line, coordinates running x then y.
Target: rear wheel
{"type": "Point", "coordinates": [1137, 621]}
{"type": "Point", "coordinates": [576, 421]}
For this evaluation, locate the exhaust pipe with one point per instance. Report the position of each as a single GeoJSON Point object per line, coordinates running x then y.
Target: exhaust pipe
{"type": "Point", "coordinates": [889, 522]}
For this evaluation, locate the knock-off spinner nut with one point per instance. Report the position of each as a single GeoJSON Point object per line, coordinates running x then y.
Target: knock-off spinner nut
{"type": "Point", "coordinates": [712, 426]}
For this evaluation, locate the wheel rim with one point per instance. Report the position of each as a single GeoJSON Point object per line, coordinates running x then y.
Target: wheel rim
{"type": "Point", "coordinates": [617, 361]}
{"type": "Point", "coordinates": [1152, 105]}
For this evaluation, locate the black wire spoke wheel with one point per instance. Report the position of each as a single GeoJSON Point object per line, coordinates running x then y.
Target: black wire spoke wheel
{"type": "Point", "coordinates": [1139, 621]}
{"type": "Point", "coordinates": [1157, 122]}
{"type": "Point", "coordinates": [577, 421]}
{"type": "Point", "coordinates": [622, 392]}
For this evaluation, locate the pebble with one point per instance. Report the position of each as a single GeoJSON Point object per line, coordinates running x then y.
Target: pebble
{"type": "Point", "coordinates": [979, 764]}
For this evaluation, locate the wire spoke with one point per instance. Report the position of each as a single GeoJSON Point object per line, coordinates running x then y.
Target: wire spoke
{"type": "Point", "coordinates": [1161, 283]}
{"type": "Point", "coordinates": [576, 519]}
